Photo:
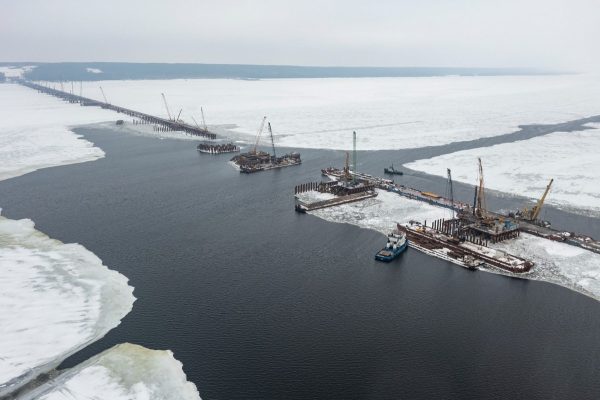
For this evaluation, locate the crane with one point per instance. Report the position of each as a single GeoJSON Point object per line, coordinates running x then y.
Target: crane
{"type": "Point", "coordinates": [203, 120]}
{"type": "Point", "coordinates": [166, 106]}
{"type": "Point", "coordinates": [179, 115]}
{"type": "Point", "coordinates": [272, 142]}
{"type": "Point", "coordinates": [195, 122]}
{"type": "Point", "coordinates": [260, 130]}
{"type": "Point", "coordinates": [534, 213]}
{"type": "Point", "coordinates": [451, 191]}
{"type": "Point", "coordinates": [347, 168]}
{"type": "Point", "coordinates": [481, 206]}
{"type": "Point", "coordinates": [103, 95]}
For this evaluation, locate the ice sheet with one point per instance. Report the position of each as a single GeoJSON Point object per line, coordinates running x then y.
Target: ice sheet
{"type": "Point", "coordinates": [381, 213]}
{"type": "Point", "coordinates": [126, 372]}
{"type": "Point", "coordinates": [559, 263]}
{"type": "Point", "coordinates": [55, 299]}
{"type": "Point", "coordinates": [525, 168]}
{"type": "Point", "coordinates": [312, 196]}
{"type": "Point", "coordinates": [34, 131]}
{"type": "Point", "coordinates": [387, 113]}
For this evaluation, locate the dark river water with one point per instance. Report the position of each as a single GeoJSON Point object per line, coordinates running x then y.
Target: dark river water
{"type": "Point", "coordinates": [259, 302]}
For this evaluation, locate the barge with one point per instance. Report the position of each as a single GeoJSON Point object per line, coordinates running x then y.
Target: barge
{"type": "Point", "coordinates": [461, 252]}
{"type": "Point", "coordinates": [211, 148]}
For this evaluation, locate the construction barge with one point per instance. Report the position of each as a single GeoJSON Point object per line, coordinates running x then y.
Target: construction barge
{"type": "Point", "coordinates": [256, 161]}
{"type": "Point", "coordinates": [210, 148]}
{"type": "Point", "coordinates": [316, 195]}
{"type": "Point", "coordinates": [461, 252]}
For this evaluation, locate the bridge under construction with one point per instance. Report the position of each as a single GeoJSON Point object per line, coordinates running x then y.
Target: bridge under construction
{"type": "Point", "coordinates": [169, 124]}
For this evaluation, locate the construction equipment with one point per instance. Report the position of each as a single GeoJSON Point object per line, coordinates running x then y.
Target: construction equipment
{"type": "Point", "coordinates": [195, 122]}
{"type": "Point", "coordinates": [166, 106]}
{"type": "Point", "coordinates": [354, 169]}
{"type": "Point", "coordinates": [272, 142]}
{"type": "Point", "coordinates": [347, 168]}
{"type": "Point", "coordinates": [481, 209]}
{"type": "Point", "coordinates": [533, 213]}
{"type": "Point", "coordinates": [450, 191]}
{"type": "Point", "coordinates": [103, 95]}
{"type": "Point", "coordinates": [179, 115]}
{"type": "Point", "coordinates": [203, 120]}
{"type": "Point", "coordinates": [259, 133]}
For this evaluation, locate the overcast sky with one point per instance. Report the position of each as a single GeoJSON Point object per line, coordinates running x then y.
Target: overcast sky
{"type": "Point", "coordinates": [457, 33]}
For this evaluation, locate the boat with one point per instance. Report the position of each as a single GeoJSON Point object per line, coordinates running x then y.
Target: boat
{"type": "Point", "coordinates": [396, 245]}
{"type": "Point", "coordinates": [392, 171]}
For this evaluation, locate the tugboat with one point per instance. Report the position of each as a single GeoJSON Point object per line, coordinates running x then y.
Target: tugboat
{"type": "Point", "coordinates": [396, 244]}
{"type": "Point", "coordinates": [392, 171]}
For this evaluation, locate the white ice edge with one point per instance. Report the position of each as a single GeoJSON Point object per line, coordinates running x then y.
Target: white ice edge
{"type": "Point", "coordinates": [559, 263]}
{"type": "Point", "coordinates": [525, 167]}
{"type": "Point", "coordinates": [55, 299]}
{"type": "Point", "coordinates": [124, 372]}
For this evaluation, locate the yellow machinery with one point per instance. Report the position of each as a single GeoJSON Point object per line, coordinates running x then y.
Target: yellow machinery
{"type": "Point", "coordinates": [533, 213]}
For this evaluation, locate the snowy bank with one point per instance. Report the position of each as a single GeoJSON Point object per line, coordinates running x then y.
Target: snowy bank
{"type": "Point", "coordinates": [525, 167]}
{"type": "Point", "coordinates": [127, 372]}
{"type": "Point", "coordinates": [55, 299]}
{"type": "Point", "coordinates": [388, 113]}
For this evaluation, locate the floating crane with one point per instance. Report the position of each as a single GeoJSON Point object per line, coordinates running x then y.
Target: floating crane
{"type": "Point", "coordinates": [103, 95]}
{"type": "Point", "coordinates": [272, 143]}
{"type": "Point", "coordinates": [259, 133]}
{"type": "Point", "coordinates": [534, 213]}
{"type": "Point", "coordinates": [166, 106]}
{"type": "Point", "coordinates": [354, 168]}
{"type": "Point", "coordinates": [179, 115]}
{"type": "Point", "coordinates": [347, 168]}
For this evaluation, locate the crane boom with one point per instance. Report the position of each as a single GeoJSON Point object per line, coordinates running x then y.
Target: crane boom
{"type": "Point", "coordinates": [481, 206]}
{"type": "Point", "coordinates": [538, 207]}
{"type": "Point", "coordinates": [103, 95]}
{"type": "Point", "coordinates": [451, 190]}
{"type": "Point", "coordinates": [260, 130]}
{"type": "Point", "coordinates": [166, 106]}
{"type": "Point", "coordinates": [179, 115]}
{"type": "Point", "coordinates": [203, 120]}
{"type": "Point", "coordinates": [272, 142]}
{"type": "Point", "coordinates": [195, 122]}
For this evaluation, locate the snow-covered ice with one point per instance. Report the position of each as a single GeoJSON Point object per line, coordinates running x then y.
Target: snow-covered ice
{"type": "Point", "coordinates": [312, 196]}
{"type": "Point", "coordinates": [55, 299]}
{"type": "Point", "coordinates": [525, 168]}
{"type": "Point", "coordinates": [15, 72]}
{"type": "Point", "coordinates": [34, 131]}
{"type": "Point", "coordinates": [575, 268]}
{"type": "Point", "coordinates": [559, 263]}
{"type": "Point", "coordinates": [94, 70]}
{"type": "Point", "coordinates": [123, 372]}
{"type": "Point", "coordinates": [388, 113]}
{"type": "Point", "coordinates": [381, 213]}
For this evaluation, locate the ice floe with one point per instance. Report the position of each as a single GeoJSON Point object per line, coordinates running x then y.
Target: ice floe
{"type": "Point", "coordinates": [15, 72]}
{"type": "Point", "coordinates": [124, 372]}
{"type": "Point", "coordinates": [34, 131]}
{"type": "Point", "coordinates": [389, 113]}
{"type": "Point", "coordinates": [525, 168]}
{"type": "Point", "coordinates": [55, 299]}
{"type": "Point", "coordinates": [94, 70]}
